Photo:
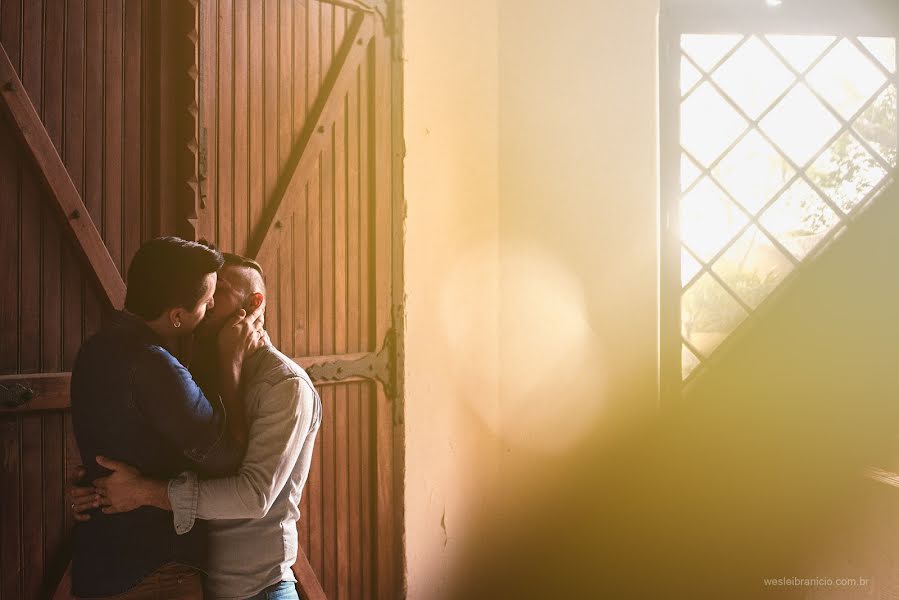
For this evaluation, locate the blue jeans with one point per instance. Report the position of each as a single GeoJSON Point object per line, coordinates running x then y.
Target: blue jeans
{"type": "Point", "coordinates": [286, 590]}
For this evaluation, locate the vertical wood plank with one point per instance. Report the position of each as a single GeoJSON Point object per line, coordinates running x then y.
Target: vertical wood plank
{"type": "Point", "coordinates": [286, 108]}
{"type": "Point", "coordinates": [341, 430]}
{"type": "Point", "coordinates": [314, 295]}
{"type": "Point", "coordinates": [10, 526]}
{"type": "Point", "coordinates": [32, 506]}
{"type": "Point", "coordinates": [366, 288]}
{"type": "Point", "coordinates": [329, 514]}
{"type": "Point", "coordinates": [131, 140]}
{"type": "Point", "coordinates": [301, 107]}
{"type": "Point", "coordinates": [29, 244]}
{"type": "Point", "coordinates": [271, 164]}
{"type": "Point", "coordinates": [53, 461]}
{"type": "Point", "coordinates": [329, 574]}
{"type": "Point", "coordinates": [209, 116]}
{"type": "Point", "coordinates": [368, 481]}
{"type": "Point", "coordinates": [256, 116]}
{"type": "Point", "coordinates": [9, 242]}
{"type": "Point", "coordinates": [225, 188]}
{"type": "Point", "coordinates": [316, 527]}
{"type": "Point", "coordinates": [73, 155]}
{"type": "Point", "coordinates": [270, 98]}
{"type": "Point", "coordinates": [113, 126]}
{"type": "Point", "coordinates": [298, 245]}
{"type": "Point", "coordinates": [9, 206]}
{"type": "Point", "coordinates": [355, 490]}
{"type": "Point", "coordinates": [92, 189]}
{"type": "Point", "coordinates": [51, 238]}
{"type": "Point", "coordinates": [72, 460]}
{"type": "Point", "coordinates": [240, 209]}
{"type": "Point", "coordinates": [53, 49]}
{"type": "Point", "coordinates": [299, 49]}
{"type": "Point", "coordinates": [314, 288]}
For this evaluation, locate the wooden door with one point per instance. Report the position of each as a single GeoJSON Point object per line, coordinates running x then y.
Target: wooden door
{"type": "Point", "coordinates": [265, 126]}
{"type": "Point", "coordinates": [296, 168]}
{"type": "Point", "coordinates": [75, 204]}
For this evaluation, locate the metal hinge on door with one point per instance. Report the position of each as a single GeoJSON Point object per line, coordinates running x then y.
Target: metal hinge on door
{"type": "Point", "coordinates": [379, 366]}
{"type": "Point", "coordinates": [202, 167]}
{"type": "Point", "coordinates": [15, 395]}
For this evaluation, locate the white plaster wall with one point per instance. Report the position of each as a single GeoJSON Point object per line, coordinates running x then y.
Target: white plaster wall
{"type": "Point", "coordinates": [578, 217]}
{"type": "Point", "coordinates": [531, 246]}
{"type": "Point", "coordinates": [452, 278]}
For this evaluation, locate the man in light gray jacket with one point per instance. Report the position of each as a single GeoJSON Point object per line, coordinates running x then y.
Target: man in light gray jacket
{"type": "Point", "coordinates": [253, 514]}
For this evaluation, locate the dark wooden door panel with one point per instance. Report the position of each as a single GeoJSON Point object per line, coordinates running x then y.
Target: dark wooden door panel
{"type": "Point", "coordinates": [296, 127]}
{"type": "Point", "coordinates": [73, 210]}
{"type": "Point", "coordinates": [34, 524]}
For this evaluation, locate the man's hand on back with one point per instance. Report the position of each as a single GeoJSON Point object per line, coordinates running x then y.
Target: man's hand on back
{"type": "Point", "coordinates": [83, 498]}
{"type": "Point", "coordinates": [126, 489]}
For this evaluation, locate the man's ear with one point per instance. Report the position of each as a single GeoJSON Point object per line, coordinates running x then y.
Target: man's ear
{"type": "Point", "coordinates": [256, 300]}
{"type": "Point", "coordinates": [176, 317]}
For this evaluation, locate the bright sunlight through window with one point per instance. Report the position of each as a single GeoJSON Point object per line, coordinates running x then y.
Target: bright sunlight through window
{"type": "Point", "coordinates": [784, 139]}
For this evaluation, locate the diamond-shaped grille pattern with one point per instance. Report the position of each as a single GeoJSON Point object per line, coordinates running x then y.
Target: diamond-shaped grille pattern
{"type": "Point", "coordinates": [708, 219]}
{"type": "Point", "coordinates": [689, 172]}
{"type": "Point", "coordinates": [707, 50]}
{"type": "Point", "coordinates": [800, 125]}
{"type": "Point", "coordinates": [753, 266]}
{"type": "Point", "coordinates": [708, 124]}
{"type": "Point", "coordinates": [799, 219]}
{"type": "Point", "coordinates": [846, 78]}
{"type": "Point", "coordinates": [800, 51]}
{"type": "Point", "coordinates": [709, 314]}
{"type": "Point", "coordinates": [689, 361]}
{"type": "Point", "coordinates": [753, 172]}
{"type": "Point", "coordinates": [846, 172]}
{"type": "Point", "coordinates": [883, 49]}
{"type": "Point", "coordinates": [877, 125]}
{"type": "Point", "coordinates": [746, 215]}
{"type": "Point", "coordinates": [753, 77]}
{"type": "Point", "coordinates": [689, 266]}
{"type": "Point", "coordinates": [689, 75]}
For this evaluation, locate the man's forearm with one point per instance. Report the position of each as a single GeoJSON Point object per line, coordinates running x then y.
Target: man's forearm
{"type": "Point", "coordinates": [155, 493]}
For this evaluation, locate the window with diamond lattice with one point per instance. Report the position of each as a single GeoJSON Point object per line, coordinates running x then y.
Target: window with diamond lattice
{"type": "Point", "coordinates": [780, 141]}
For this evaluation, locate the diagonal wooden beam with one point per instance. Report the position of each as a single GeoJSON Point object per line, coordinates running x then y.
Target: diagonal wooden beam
{"type": "Point", "coordinates": [27, 125]}
{"type": "Point", "coordinates": [310, 587]}
{"type": "Point", "coordinates": [327, 106]}
{"type": "Point", "coordinates": [375, 6]}
{"type": "Point", "coordinates": [63, 589]}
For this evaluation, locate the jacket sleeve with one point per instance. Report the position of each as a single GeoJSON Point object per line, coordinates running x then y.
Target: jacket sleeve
{"type": "Point", "coordinates": [288, 413]}
{"type": "Point", "coordinates": [166, 395]}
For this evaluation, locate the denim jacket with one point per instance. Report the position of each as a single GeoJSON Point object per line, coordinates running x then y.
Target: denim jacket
{"type": "Point", "coordinates": [135, 402]}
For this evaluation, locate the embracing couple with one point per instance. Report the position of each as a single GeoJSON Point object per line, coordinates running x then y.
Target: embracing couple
{"type": "Point", "coordinates": [192, 478]}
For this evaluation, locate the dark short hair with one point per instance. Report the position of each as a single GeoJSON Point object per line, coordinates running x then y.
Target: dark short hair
{"type": "Point", "coordinates": [166, 273]}
{"type": "Point", "coordinates": [236, 260]}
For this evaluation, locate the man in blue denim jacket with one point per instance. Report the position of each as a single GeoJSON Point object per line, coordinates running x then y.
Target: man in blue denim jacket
{"type": "Point", "coordinates": [250, 518]}
{"type": "Point", "coordinates": [132, 399]}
